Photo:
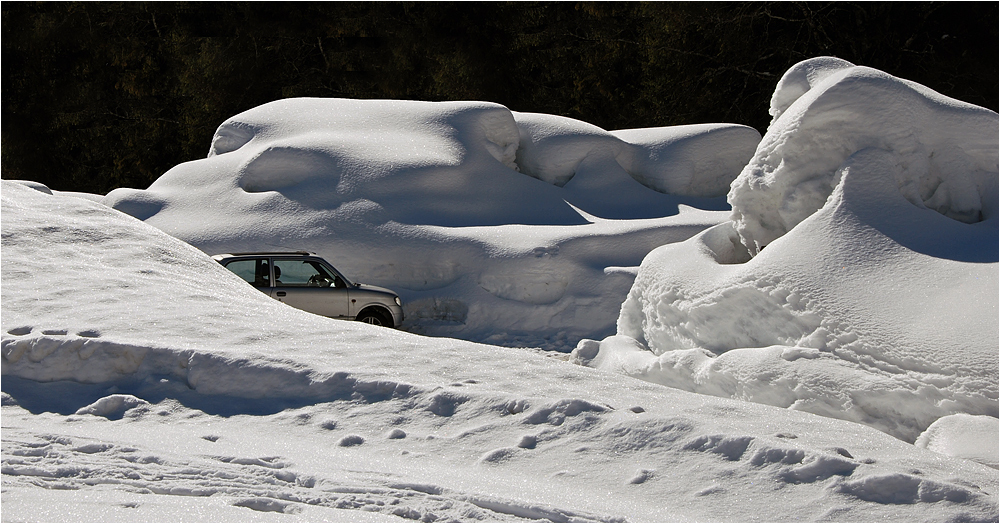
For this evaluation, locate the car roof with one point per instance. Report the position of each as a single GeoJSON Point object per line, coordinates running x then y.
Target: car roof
{"type": "Point", "coordinates": [263, 253]}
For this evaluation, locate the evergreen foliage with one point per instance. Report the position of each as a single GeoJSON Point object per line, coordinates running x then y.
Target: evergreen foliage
{"type": "Point", "coordinates": [99, 95]}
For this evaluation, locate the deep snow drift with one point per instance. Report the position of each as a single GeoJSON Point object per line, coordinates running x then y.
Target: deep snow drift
{"type": "Point", "coordinates": [855, 276]}
{"type": "Point", "coordinates": [875, 299]}
{"type": "Point", "coordinates": [493, 226]}
{"type": "Point", "coordinates": [142, 381]}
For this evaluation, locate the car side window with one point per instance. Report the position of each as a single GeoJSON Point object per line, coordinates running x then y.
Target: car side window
{"type": "Point", "coordinates": [303, 273]}
{"type": "Point", "coordinates": [254, 271]}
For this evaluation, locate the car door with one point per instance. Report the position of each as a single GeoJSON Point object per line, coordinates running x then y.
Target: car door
{"type": "Point", "coordinates": [305, 284]}
{"type": "Point", "coordinates": [254, 270]}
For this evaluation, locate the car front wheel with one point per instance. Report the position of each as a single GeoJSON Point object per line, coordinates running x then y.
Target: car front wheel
{"type": "Point", "coordinates": [374, 318]}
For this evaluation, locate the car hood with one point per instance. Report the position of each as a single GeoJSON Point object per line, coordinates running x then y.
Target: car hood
{"type": "Point", "coordinates": [369, 287]}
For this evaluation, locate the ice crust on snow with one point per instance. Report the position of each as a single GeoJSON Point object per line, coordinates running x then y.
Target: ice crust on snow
{"type": "Point", "coordinates": [871, 302]}
{"type": "Point", "coordinates": [262, 412]}
{"type": "Point", "coordinates": [455, 205]}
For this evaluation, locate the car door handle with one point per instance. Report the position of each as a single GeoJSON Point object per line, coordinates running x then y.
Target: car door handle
{"type": "Point", "coordinates": [281, 293]}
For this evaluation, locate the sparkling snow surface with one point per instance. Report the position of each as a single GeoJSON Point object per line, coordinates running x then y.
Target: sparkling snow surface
{"type": "Point", "coordinates": [144, 382]}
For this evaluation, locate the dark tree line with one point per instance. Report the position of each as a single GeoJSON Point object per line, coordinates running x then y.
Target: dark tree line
{"type": "Point", "coordinates": [99, 95]}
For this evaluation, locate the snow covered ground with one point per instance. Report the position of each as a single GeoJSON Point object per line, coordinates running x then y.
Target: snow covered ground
{"type": "Point", "coordinates": [144, 382]}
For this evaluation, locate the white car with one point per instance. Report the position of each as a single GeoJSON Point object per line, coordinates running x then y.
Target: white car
{"type": "Point", "coordinates": [307, 282]}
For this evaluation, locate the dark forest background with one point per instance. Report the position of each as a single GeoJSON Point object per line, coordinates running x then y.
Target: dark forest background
{"type": "Point", "coordinates": [99, 95]}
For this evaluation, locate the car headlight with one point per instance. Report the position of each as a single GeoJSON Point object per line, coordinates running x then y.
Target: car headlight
{"type": "Point", "coordinates": [398, 301]}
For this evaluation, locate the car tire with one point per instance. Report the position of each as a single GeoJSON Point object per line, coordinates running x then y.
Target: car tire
{"type": "Point", "coordinates": [375, 318]}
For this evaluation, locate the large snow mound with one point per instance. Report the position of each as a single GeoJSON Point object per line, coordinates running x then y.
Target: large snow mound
{"type": "Point", "coordinates": [871, 309]}
{"type": "Point", "coordinates": [493, 226]}
{"type": "Point", "coordinates": [945, 150]}
{"type": "Point", "coordinates": [142, 379]}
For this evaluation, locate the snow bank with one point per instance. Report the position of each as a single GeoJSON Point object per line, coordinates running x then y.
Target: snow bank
{"type": "Point", "coordinates": [945, 149]}
{"type": "Point", "coordinates": [872, 309]}
{"type": "Point", "coordinates": [455, 205]}
{"type": "Point", "coordinates": [183, 376]}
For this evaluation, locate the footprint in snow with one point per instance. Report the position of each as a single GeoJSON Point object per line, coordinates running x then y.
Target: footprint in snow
{"type": "Point", "coordinates": [7, 400]}
{"type": "Point", "coordinates": [711, 490]}
{"type": "Point", "coordinates": [731, 448]}
{"type": "Point", "coordinates": [267, 504]}
{"type": "Point", "coordinates": [642, 476]}
{"type": "Point", "coordinates": [20, 331]}
{"type": "Point", "coordinates": [351, 440]}
{"type": "Point", "coordinates": [842, 452]}
{"type": "Point", "coordinates": [528, 442]}
{"type": "Point", "coordinates": [498, 456]}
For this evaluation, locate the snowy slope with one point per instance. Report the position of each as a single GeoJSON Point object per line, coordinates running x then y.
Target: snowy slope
{"type": "Point", "coordinates": [875, 299]}
{"type": "Point", "coordinates": [492, 225]}
{"type": "Point", "coordinates": [141, 381]}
